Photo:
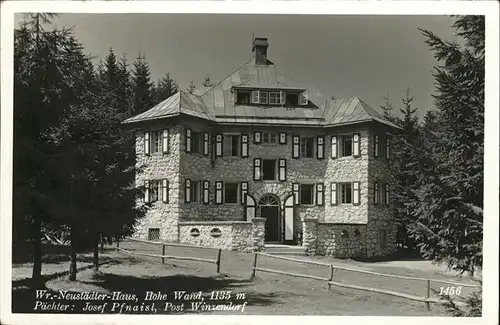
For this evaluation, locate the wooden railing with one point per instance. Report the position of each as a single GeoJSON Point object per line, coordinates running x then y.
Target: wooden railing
{"type": "Point", "coordinates": [216, 261]}
{"type": "Point", "coordinates": [330, 279]}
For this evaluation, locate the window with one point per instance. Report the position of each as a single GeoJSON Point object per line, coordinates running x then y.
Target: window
{"type": "Point", "coordinates": [195, 191]}
{"type": "Point", "coordinates": [231, 145]}
{"type": "Point", "coordinates": [383, 238]}
{"type": "Point", "coordinates": [196, 142]}
{"type": "Point", "coordinates": [307, 147]}
{"type": "Point", "coordinates": [346, 193]}
{"type": "Point", "coordinates": [306, 194]}
{"type": "Point", "coordinates": [269, 137]}
{"type": "Point", "coordinates": [346, 146]}
{"type": "Point", "coordinates": [292, 99]}
{"type": "Point", "coordinates": [243, 97]}
{"type": "Point", "coordinates": [156, 141]}
{"type": "Point", "coordinates": [262, 97]}
{"type": "Point", "coordinates": [231, 192]}
{"type": "Point", "coordinates": [274, 97]}
{"type": "Point", "coordinates": [154, 190]}
{"type": "Point", "coordinates": [268, 170]}
{"type": "Point", "coordinates": [154, 234]}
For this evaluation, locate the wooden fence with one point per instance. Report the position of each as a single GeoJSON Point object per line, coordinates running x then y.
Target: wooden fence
{"type": "Point", "coordinates": [216, 261]}
{"type": "Point", "coordinates": [330, 279]}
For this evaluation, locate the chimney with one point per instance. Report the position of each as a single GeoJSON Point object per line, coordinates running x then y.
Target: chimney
{"type": "Point", "coordinates": [260, 50]}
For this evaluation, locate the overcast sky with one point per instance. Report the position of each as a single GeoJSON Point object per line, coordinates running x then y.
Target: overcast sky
{"type": "Point", "coordinates": [365, 56]}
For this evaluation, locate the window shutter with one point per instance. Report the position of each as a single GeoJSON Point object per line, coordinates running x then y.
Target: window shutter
{"type": "Point", "coordinates": [282, 139]}
{"type": "Point", "coordinates": [187, 191]}
{"type": "Point", "coordinates": [376, 193]}
{"type": "Point", "coordinates": [235, 96]}
{"type": "Point", "coordinates": [388, 148]}
{"type": "Point", "coordinates": [282, 170]}
{"type": "Point", "coordinates": [206, 185]}
{"type": "Point", "coordinates": [333, 194]}
{"type": "Point", "coordinates": [164, 190]}
{"type": "Point", "coordinates": [146, 191]}
{"type": "Point", "coordinates": [296, 146]}
{"type": "Point", "coordinates": [255, 97]}
{"type": "Point", "coordinates": [320, 147]}
{"type": "Point", "coordinates": [296, 192]}
{"type": "Point", "coordinates": [355, 193]}
{"type": "Point", "coordinates": [218, 192]}
{"type": "Point", "coordinates": [375, 146]}
{"type": "Point", "coordinates": [146, 143]}
{"type": "Point", "coordinates": [334, 146]}
{"type": "Point", "coordinates": [165, 143]}
{"type": "Point", "coordinates": [355, 145]}
{"type": "Point", "coordinates": [244, 145]}
{"type": "Point", "coordinates": [256, 169]}
{"type": "Point", "coordinates": [188, 140]}
{"type": "Point", "coordinates": [257, 137]}
{"type": "Point", "coordinates": [206, 138]}
{"type": "Point", "coordinates": [282, 97]}
{"type": "Point", "coordinates": [387, 194]}
{"type": "Point", "coordinates": [303, 98]}
{"type": "Point", "coordinates": [243, 191]}
{"type": "Point", "coordinates": [218, 145]}
{"type": "Point", "coordinates": [320, 194]}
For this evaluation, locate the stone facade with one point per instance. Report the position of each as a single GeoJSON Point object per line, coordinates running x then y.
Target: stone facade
{"type": "Point", "coordinates": [178, 165]}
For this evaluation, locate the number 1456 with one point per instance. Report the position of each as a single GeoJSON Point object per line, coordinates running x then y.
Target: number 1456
{"type": "Point", "coordinates": [450, 291]}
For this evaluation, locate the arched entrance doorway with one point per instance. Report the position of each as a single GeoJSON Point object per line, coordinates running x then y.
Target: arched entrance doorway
{"type": "Point", "coordinates": [269, 206]}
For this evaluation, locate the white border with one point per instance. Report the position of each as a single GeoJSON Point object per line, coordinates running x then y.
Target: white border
{"type": "Point", "coordinates": [491, 193]}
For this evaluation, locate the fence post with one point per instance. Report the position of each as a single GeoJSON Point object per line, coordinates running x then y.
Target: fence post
{"type": "Point", "coordinates": [163, 254]}
{"type": "Point", "coordinates": [218, 260]}
{"type": "Point", "coordinates": [331, 277]}
{"type": "Point", "coordinates": [428, 294]}
{"type": "Point", "coordinates": [254, 265]}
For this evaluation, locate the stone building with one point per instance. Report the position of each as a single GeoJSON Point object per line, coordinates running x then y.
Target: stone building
{"type": "Point", "coordinates": [260, 159]}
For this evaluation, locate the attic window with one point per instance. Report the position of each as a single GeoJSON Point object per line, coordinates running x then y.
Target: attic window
{"type": "Point", "coordinates": [292, 99]}
{"type": "Point", "coordinates": [243, 97]}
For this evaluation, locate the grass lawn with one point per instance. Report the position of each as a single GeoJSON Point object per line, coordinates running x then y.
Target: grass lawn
{"type": "Point", "coordinates": [269, 294]}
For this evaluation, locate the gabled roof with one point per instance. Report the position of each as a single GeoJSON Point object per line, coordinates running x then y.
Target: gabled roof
{"type": "Point", "coordinates": [216, 104]}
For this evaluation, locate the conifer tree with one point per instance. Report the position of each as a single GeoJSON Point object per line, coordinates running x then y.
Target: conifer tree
{"type": "Point", "coordinates": [143, 87]}
{"type": "Point", "coordinates": [165, 87]}
{"type": "Point", "coordinates": [191, 87]}
{"type": "Point", "coordinates": [207, 82]}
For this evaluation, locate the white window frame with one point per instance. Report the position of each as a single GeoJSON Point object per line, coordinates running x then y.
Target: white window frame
{"type": "Point", "coordinates": [195, 196]}
{"type": "Point", "coordinates": [225, 138]}
{"type": "Point", "coordinates": [269, 136]}
{"type": "Point", "coordinates": [199, 148]}
{"type": "Point", "coordinates": [276, 168]}
{"type": "Point", "coordinates": [341, 188]}
{"type": "Point", "coordinates": [156, 141]}
{"type": "Point", "coordinates": [276, 96]}
{"type": "Point", "coordinates": [341, 142]}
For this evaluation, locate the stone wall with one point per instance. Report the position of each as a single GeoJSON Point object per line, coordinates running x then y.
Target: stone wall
{"type": "Point", "coordinates": [160, 166]}
{"type": "Point", "coordinates": [229, 235]}
{"type": "Point", "coordinates": [334, 239]}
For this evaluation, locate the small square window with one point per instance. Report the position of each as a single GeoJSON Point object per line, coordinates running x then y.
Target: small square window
{"type": "Point", "coordinates": [274, 97]}
{"type": "Point", "coordinates": [346, 193]}
{"type": "Point", "coordinates": [231, 145]}
{"type": "Point", "coordinates": [195, 191]}
{"type": "Point", "coordinates": [307, 147]}
{"type": "Point", "coordinates": [154, 190]}
{"type": "Point", "coordinates": [196, 142]}
{"type": "Point", "coordinates": [292, 100]}
{"type": "Point", "coordinates": [346, 146]}
{"type": "Point", "coordinates": [156, 141]}
{"type": "Point", "coordinates": [154, 234]}
{"type": "Point", "coordinates": [269, 137]}
{"type": "Point", "coordinates": [231, 192]}
{"type": "Point", "coordinates": [307, 194]}
{"type": "Point", "coordinates": [262, 97]}
{"type": "Point", "coordinates": [268, 170]}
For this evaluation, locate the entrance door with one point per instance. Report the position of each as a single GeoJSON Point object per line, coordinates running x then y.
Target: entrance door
{"type": "Point", "coordinates": [269, 209]}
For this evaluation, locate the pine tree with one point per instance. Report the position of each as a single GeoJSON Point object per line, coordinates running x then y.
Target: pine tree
{"type": "Point", "coordinates": [207, 82]}
{"type": "Point", "coordinates": [165, 87]}
{"type": "Point", "coordinates": [191, 87]}
{"type": "Point", "coordinates": [449, 221]}
{"type": "Point", "coordinates": [388, 109]}
{"type": "Point", "coordinates": [143, 87]}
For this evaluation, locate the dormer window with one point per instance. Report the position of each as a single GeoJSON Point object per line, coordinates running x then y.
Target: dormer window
{"type": "Point", "coordinates": [275, 97]}
{"type": "Point", "coordinates": [261, 97]}
{"type": "Point", "coordinates": [242, 97]}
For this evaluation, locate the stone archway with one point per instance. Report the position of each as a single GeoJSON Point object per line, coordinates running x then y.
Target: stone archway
{"type": "Point", "coordinates": [269, 206]}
